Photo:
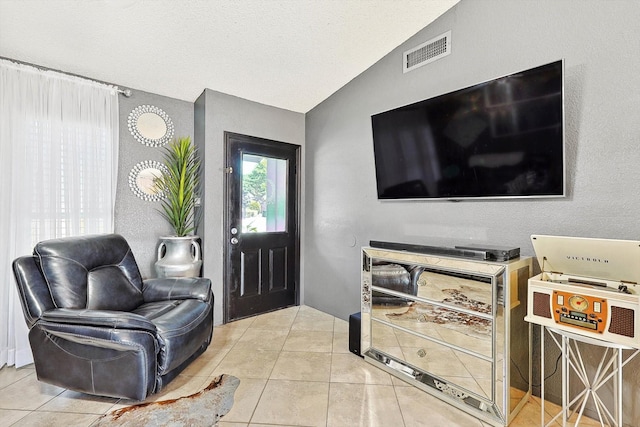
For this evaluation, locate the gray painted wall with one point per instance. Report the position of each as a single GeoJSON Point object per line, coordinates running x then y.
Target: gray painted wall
{"type": "Point", "coordinates": [490, 38]}
{"type": "Point", "coordinates": [138, 220]}
{"type": "Point", "coordinates": [216, 113]}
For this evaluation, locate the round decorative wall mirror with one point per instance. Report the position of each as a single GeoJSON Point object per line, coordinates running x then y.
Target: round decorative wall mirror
{"type": "Point", "coordinates": [150, 125]}
{"type": "Point", "coordinates": [142, 180]}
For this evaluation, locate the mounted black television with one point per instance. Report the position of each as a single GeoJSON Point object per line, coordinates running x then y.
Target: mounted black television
{"type": "Point", "coordinates": [499, 139]}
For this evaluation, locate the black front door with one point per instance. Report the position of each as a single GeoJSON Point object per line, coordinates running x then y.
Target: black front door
{"type": "Point", "coordinates": [261, 226]}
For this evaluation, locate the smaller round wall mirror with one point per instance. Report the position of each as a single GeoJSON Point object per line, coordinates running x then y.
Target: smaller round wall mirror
{"type": "Point", "coordinates": [142, 180]}
{"type": "Point", "coordinates": [150, 125]}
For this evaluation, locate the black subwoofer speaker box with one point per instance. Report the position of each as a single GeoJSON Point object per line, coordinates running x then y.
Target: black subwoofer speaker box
{"type": "Point", "coordinates": [354, 334]}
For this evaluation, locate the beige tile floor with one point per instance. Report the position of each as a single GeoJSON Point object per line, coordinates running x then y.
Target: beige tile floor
{"type": "Point", "coordinates": [295, 369]}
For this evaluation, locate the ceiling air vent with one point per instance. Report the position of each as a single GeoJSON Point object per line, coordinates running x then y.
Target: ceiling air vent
{"type": "Point", "coordinates": [427, 52]}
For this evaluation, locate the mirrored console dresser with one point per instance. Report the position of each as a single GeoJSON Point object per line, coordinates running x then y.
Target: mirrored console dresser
{"type": "Point", "coordinates": [451, 326]}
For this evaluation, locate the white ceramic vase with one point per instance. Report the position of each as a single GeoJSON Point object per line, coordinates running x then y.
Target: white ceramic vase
{"type": "Point", "coordinates": [179, 257]}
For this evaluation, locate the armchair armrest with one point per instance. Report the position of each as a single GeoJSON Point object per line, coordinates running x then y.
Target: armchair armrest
{"type": "Point", "coordinates": [98, 318]}
{"type": "Point", "coordinates": [161, 289]}
{"type": "Point", "coordinates": [415, 272]}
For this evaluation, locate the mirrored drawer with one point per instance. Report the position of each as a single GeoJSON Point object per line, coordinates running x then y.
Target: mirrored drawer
{"type": "Point", "coordinates": [470, 373]}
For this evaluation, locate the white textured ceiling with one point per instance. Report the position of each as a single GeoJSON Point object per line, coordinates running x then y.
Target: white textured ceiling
{"type": "Point", "coordinates": [287, 53]}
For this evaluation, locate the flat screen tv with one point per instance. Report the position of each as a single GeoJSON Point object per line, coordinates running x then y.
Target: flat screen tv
{"type": "Point", "coordinates": [503, 138]}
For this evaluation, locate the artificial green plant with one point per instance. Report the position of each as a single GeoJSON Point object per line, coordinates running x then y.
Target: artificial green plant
{"type": "Point", "coordinates": [180, 183]}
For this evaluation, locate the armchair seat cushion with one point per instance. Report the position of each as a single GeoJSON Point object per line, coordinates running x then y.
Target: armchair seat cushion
{"type": "Point", "coordinates": [176, 288]}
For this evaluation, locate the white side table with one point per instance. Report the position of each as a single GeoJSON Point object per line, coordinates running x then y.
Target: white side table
{"type": "Point", "coordinates": [609, 369]}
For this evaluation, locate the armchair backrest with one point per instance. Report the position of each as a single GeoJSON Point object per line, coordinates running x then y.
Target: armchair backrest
{"type": "Point", "coordinates": [90, 272]}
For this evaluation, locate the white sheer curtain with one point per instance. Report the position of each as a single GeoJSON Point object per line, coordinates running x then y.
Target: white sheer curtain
{"type": "Point", "coordinates": [58, 159]}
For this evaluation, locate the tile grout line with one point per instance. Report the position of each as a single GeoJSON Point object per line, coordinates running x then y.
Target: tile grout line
{"type": "Point", "coordinates": [272, 368]}
{"type": "Point", "coordinates": [326, 422]}
{"type": "Point", "coordinates": [395, 393]}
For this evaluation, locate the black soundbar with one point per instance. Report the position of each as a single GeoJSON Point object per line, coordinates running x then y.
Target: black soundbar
{"type": "Point", "coordinates": [431, 250]}
{"type": "Point", "coordinates": [499, 253]}
{"type": "Point", "coordinates": [486, 253]}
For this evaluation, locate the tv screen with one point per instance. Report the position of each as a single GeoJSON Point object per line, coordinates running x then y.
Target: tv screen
{"type": "Point", "coordinates": [501, 138]}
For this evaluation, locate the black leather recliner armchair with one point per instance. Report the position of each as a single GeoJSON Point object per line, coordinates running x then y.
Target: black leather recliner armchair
{"type": "Point", "coordinates": [97, 327]}
{"type": "Point", "coordinates": [395, 277]}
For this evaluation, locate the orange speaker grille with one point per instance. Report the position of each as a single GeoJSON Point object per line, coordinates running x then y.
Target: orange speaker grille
{"type": "Point", "coordinates": [541, 305]}
{"type": "Point", "coordinates": [622, 322]}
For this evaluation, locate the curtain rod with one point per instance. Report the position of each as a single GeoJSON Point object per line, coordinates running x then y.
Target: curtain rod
{"type": "Point", "coordinates": [125, 92]}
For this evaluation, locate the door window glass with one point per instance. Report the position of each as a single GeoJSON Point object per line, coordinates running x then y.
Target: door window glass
{"type": "Point", "coordinates": [264, 194]}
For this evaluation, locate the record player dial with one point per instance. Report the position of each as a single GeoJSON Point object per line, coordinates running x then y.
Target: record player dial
{"type": "Point", "coordinates": [578, 303]}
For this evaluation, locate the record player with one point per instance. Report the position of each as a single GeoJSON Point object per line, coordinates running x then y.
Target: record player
{"type": "Point", "coordinates": [589, 287]}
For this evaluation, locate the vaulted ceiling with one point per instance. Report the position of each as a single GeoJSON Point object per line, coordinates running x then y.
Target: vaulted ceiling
{"type": "Point", "coordinates": [287, 53]}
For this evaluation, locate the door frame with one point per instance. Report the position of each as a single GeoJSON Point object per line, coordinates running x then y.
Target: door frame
{"type": "Point", "coordinates": [227, 220]}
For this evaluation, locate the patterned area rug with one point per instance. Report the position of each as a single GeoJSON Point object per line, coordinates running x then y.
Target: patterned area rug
{"type": "Point", "coordinates": [470, 324]}
{"type": "Point", "coordinates": [204, 408]}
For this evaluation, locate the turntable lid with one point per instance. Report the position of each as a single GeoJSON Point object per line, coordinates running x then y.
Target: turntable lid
{"type": "Point", "coordinates": [616, 260]}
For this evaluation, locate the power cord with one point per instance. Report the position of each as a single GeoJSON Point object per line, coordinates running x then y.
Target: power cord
{"type": "Point", "coordinates": [545, 378]}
